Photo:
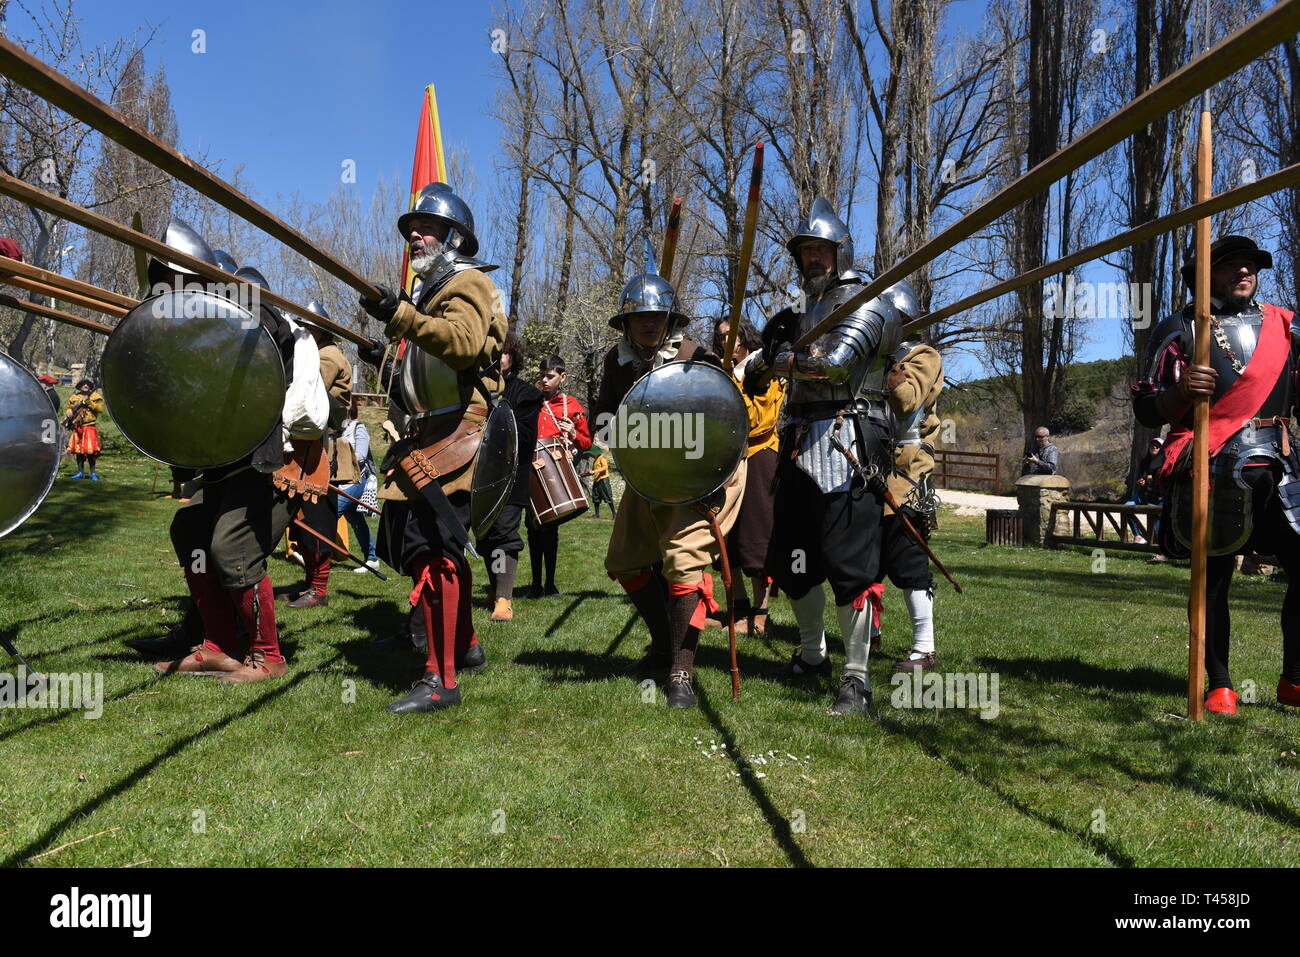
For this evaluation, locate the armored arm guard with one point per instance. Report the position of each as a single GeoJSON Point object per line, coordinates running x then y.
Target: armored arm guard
{"type": "Point", "coordinates": [1155, 393]}
{"type": "Point", "coordinates": [836, 356]}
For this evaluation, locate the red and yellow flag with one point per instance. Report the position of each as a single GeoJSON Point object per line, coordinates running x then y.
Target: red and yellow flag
{"type": "Point", "coordinates": [430, 167]}
{"type": "Point", "coordinates": [430, 164]}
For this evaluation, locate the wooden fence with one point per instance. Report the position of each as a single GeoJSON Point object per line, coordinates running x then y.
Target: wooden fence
{"type": "Point", "coordinates": [953, 469]}
{"type": "Point", "coordinates": [1097, 524]}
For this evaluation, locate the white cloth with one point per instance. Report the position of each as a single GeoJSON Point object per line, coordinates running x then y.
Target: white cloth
{"type": "Point", "coordinates": [306, 402]}
{"type": "Point", "coordinates": [920, 605]}
{"type": "Point", "coordinates": [854, 623]}
{"type": "Point", "coordinates": [810, 613]}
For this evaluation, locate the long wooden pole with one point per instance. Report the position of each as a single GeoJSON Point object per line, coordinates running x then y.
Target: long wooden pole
{"type": "Point", "coordinates": [62, 284]}
{"type": "Point", "coordinates": [1257, 37]}
{"type": "Point", "coordinates": [746, 255]}
{"type": "Point", "coordinates": [47, 83]}
{"type": "Point", "coordinates": [86, 302]}
{"type": "Point", "coordinates": [1200, 439]}
{"type": "Point", "coordinates": [1282, 179]}
{"type": "Point", "coordinates": [671, 232]}
{"type": "Point", "coordinates": [39, 198]}
{"type": "Point", "coordinates": [49, 313]}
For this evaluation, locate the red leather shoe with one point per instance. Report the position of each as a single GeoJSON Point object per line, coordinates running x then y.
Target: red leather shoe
{"type": "Point", "coordinates": [1221, 701]}
{"type": "Point", "coordinates": [1287, 693]}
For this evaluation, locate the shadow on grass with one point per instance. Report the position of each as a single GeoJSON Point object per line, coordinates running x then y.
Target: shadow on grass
{"type": "Point", "coordinates": [577, 597]}
{"type": "Point", "coordinates": [583, 666]}
{"type": "Point", "coordinates": [140, 773]}
{"type": "Point", "coordinates": [70, 511]}
{"type": "Point", "coordinates": [1084, 675]}
{"type": "Point", "coordinates": [782, 832]}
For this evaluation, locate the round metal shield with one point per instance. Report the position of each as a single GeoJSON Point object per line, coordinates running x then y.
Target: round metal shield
{"type": "Point", "coordinates": [680, 433]}
{"type": "Point", "coordinates": [193, 380]}
{"type": "Point", "coordinates": [29, 444]}
{"type": "Point", "coordinates": [429, 385]}
{"type": "Point", "coordinates": [495, 468]}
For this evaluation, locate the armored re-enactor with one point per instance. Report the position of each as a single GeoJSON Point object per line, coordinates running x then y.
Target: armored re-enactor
{"type": "Point", "coordinates": [1254, 470]}
{"type": "Point", "coordinates": [457, 322]}
{"type": "Point", "coordinates": [828, 521]}
{"type": "Point", "coordinates": [660, 553]}
{"type": "Point", "coordinates": [912, 388]}
{"type": "Point", "coordinates": [223, 537]}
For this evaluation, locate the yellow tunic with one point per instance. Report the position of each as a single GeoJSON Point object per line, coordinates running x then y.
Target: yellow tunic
{"type": "Point", "coordinates": [464, 325]}
{"type": "Point", "coordinates": [915, 383]}
{"type": "Point", "coordinates": [764, 410]}
{"type": "Point", "coordinates": [90, 414]}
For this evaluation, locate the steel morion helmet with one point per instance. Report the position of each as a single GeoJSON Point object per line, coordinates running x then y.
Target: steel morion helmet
{"type": "Point", "coordinates": [648, 292]}
{"type": "Point", "coordinates": [253, 275]}
{"type": "Point", "coordinates": [823, 224]}
{"type": "Point", "coordinates": [180, 235]}
{"type": "Point", "coordinates": [438, 200]}
{"type": "Point", "coordinates": [225, 260]}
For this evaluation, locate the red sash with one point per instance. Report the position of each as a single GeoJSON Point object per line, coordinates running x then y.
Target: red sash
{"type": "Point", "coordinates": [1236, 407]}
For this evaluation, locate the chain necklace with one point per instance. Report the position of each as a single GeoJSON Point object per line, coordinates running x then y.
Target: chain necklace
{"type": "Point", "coordinates": [1222, 339]}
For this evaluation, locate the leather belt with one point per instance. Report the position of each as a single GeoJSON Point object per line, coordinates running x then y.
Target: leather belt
{"type": "Point", "coordinates": [1284, 426]}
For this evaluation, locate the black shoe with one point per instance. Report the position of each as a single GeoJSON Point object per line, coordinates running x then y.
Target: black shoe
{"type": "Point", "coordinates": [172, 646]}
{"type": "Point", "coordinates": [399, 643]}
{"type": "Point", "coordinates": [292, 595]}
{"type": "Point", "coordinates": [854, 697]}
{"type": "Point", "coordinates": [475, 660]}
{"type": "Point", "coordinates": [798, 668]}
{"type": "Point", "coordinates": [550, 591]}
{"type": "Point", "coordinates": [679, 690]}
{"type": "Point", "coordinates": [427, 694]}
{"type": "Point", "coordinates": [532, 591]}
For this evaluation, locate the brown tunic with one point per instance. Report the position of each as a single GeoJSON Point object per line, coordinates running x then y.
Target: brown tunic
{"type": "Point", "coordinates": [915, 383]}
{"type": "Point", "coordinates": [464, 325]}
{"type": "Point", "coordinates": [336, 373]}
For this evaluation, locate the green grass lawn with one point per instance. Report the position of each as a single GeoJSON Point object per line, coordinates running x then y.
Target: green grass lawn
{"type": "Point", "coordinates": [555, 759]}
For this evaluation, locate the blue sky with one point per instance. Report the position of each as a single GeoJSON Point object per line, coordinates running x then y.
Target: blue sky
{"type": "Point", "coordinates": [292, 90]}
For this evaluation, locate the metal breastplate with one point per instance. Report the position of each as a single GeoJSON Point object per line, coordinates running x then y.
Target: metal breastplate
{"type": "Point", "coordinates": [431, 389]}
{"type": "Point", "coordinates": [1239, 333]}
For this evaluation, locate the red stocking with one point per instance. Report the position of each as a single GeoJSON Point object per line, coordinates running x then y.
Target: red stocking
{"type": "Point", "coordinates": [215, 610]}
{"type": "Point", "coordinates": [256, 608]}
{"type": "Point", "coordinates": [438, 592]}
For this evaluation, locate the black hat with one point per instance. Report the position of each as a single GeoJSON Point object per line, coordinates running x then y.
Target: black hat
{"type": "Point", "coordinates": [1226, 247]}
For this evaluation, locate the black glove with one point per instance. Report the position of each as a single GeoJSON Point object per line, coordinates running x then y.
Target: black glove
{"type": "Point", "coordinates": [382, 308]}
{"type": "Point", "coordinates": [372, 354]}
{"type": "Point", "coordinates": [757, 378]}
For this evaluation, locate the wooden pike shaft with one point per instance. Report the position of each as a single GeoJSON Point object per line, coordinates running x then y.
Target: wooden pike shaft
{"type": "Point", "coordinates": [1255, 38]}
{"type": "Point", "coordinates": [1200, 439]}
{"type": "Point", "coordinates": [86, 302]}
{"type": "Point", "coordinates": [726, 587]}
{"type": "Point", "coordinates": [671, 231]}
{"type": "Point", "coordinates": [53, 280]}
{"type": "Point", "coordinates": [58, 90]}
{"type": "Point", "coordinates": [338, 548]}
{"type": "Point", "coordinates": [26, 193]}
{"type": "Point", "coordinates": [746, 254]}
{"type": "Point", "coordinates": [47, 312]}
{"type": "Point", "coordinates": [1283, 178]}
